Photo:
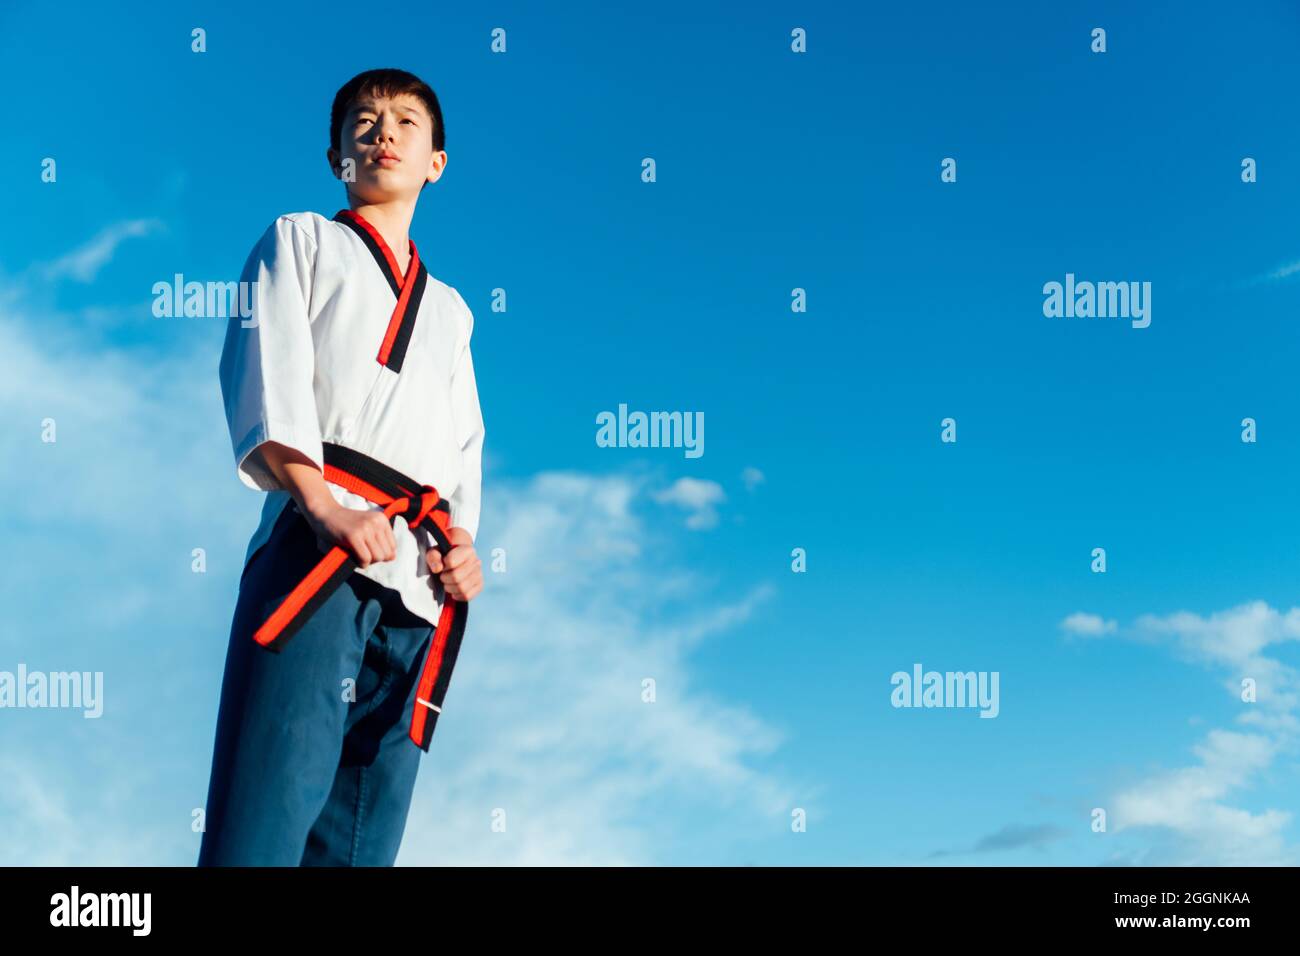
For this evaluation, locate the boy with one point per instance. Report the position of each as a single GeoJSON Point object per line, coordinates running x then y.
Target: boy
{"type": "Point", "coordinates": [351, 400]}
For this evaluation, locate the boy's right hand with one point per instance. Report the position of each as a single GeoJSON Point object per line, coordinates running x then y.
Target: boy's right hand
{"type": "Point", "coordinates": [366, 535]}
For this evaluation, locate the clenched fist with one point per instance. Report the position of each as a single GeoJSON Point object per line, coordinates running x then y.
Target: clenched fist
{"type": "Point", "coordinates": [461, 572]}
{"type": "Point", "coordinates": [366, 535]}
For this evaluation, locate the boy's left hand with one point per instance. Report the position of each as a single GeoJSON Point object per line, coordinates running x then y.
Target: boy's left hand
{"type": "Point", "coordinates": [461, 572]}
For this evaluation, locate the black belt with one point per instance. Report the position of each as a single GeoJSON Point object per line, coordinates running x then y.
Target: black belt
{"type": "Point", "coordinates": [421, 506]}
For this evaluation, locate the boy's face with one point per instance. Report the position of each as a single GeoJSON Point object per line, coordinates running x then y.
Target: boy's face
{"type": "Point", "coordinates": [390, 141]}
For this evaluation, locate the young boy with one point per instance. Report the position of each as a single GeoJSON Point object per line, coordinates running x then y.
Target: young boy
{"type": "Point", "coordinates": [351, 400]}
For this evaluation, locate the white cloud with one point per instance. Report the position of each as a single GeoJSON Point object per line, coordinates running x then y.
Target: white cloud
{"type": "Point", "coordinates": [1189, 803]}
{"type": "Point", "coordinates": [123, 420]}
{"type": "Point", "coordinates": [752, 478]}
{"type": "Point", "coordinates": [1235, 640]}
{"type": "Point", "coordinates": [698, 497]}
{"type": "Point", "coordinates": [1186, 808]}
{"type": "Point", "coordinates": [545, 718]}
{"type": "Point", "coordinates": [104, 519]}
{"type": "Point", "coordinates": [49, 817]}
{"type": "Point", "coordinates": [1087, 625]}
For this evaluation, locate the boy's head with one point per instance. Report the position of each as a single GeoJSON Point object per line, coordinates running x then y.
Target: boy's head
{"type": "Point", "coordinates": [380, 114]}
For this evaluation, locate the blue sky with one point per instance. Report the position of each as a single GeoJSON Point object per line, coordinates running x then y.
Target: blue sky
{"type": "Point", "coordinates": [775, 170]}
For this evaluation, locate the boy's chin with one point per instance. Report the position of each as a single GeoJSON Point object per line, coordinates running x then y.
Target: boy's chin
{"type": "Point", "coordinates": [372, 193]}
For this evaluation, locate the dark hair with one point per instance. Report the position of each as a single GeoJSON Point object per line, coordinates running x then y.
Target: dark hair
{"type": "Point", "coordinates": [381, 83]}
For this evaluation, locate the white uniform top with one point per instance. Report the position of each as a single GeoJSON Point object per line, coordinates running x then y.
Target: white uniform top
{"type": "Point", "coordinates": [306, 372]}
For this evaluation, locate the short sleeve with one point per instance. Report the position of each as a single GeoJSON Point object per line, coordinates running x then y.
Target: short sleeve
{"type": "Point", "coordinates": [268, 360]}
{"type": "Point", "coordinates": [466, 500]}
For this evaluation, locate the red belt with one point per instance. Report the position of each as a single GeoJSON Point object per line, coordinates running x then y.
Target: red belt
{"type": "Point", "coordinates": [420, 505]}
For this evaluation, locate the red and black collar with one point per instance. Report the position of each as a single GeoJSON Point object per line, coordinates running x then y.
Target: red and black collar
{"type": "Point", "coordinates": [408, 289]}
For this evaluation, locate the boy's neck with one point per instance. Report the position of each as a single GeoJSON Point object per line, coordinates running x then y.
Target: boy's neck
{"type": "Point", "coordinates": [393, 221]}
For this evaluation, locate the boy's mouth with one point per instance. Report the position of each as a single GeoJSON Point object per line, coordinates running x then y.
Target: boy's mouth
{"type": "Point", "coordinates": [386, 159]}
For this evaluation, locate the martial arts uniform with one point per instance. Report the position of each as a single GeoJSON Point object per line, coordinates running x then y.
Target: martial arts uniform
{"type": "Point", "coordinates": [335, 674]}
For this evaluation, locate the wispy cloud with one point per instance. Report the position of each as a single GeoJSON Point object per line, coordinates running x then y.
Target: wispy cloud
{"type": "Point", "coordinates": [1286, 271]}
{"type": "Point", "coordinates": [142, 474]}
{"type": "Point", "coordinates": [83, 263]}
{"type": "Point", "coordinates": [1188, 805]}
{"type": "Point", "coordinates": [1235, 641]}
{"type": "Point", "coordinates": [49, 817]}
{"type": "Point", "coordinates": [574, 713]}
{"type": "Point", "coordinates": [1282, 273]}
{"type": "Point", "coordinates": [1184, 812]}
{"type": "Point", "coordinates": [550, 716]}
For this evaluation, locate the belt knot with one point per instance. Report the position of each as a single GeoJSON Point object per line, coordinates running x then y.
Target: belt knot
{"type": "Point", "coordinates": [418, 507]}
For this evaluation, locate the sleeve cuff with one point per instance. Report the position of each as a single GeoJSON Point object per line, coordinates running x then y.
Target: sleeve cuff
{"type": "Point", "coordinates": [252, 469]}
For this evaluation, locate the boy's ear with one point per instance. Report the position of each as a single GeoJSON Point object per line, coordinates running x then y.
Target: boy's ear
{"type": "Point", "coordinates": [437, 166]}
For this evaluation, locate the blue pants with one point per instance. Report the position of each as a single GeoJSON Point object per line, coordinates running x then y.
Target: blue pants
{"type": "Point", "coordinates": [312, 765]}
